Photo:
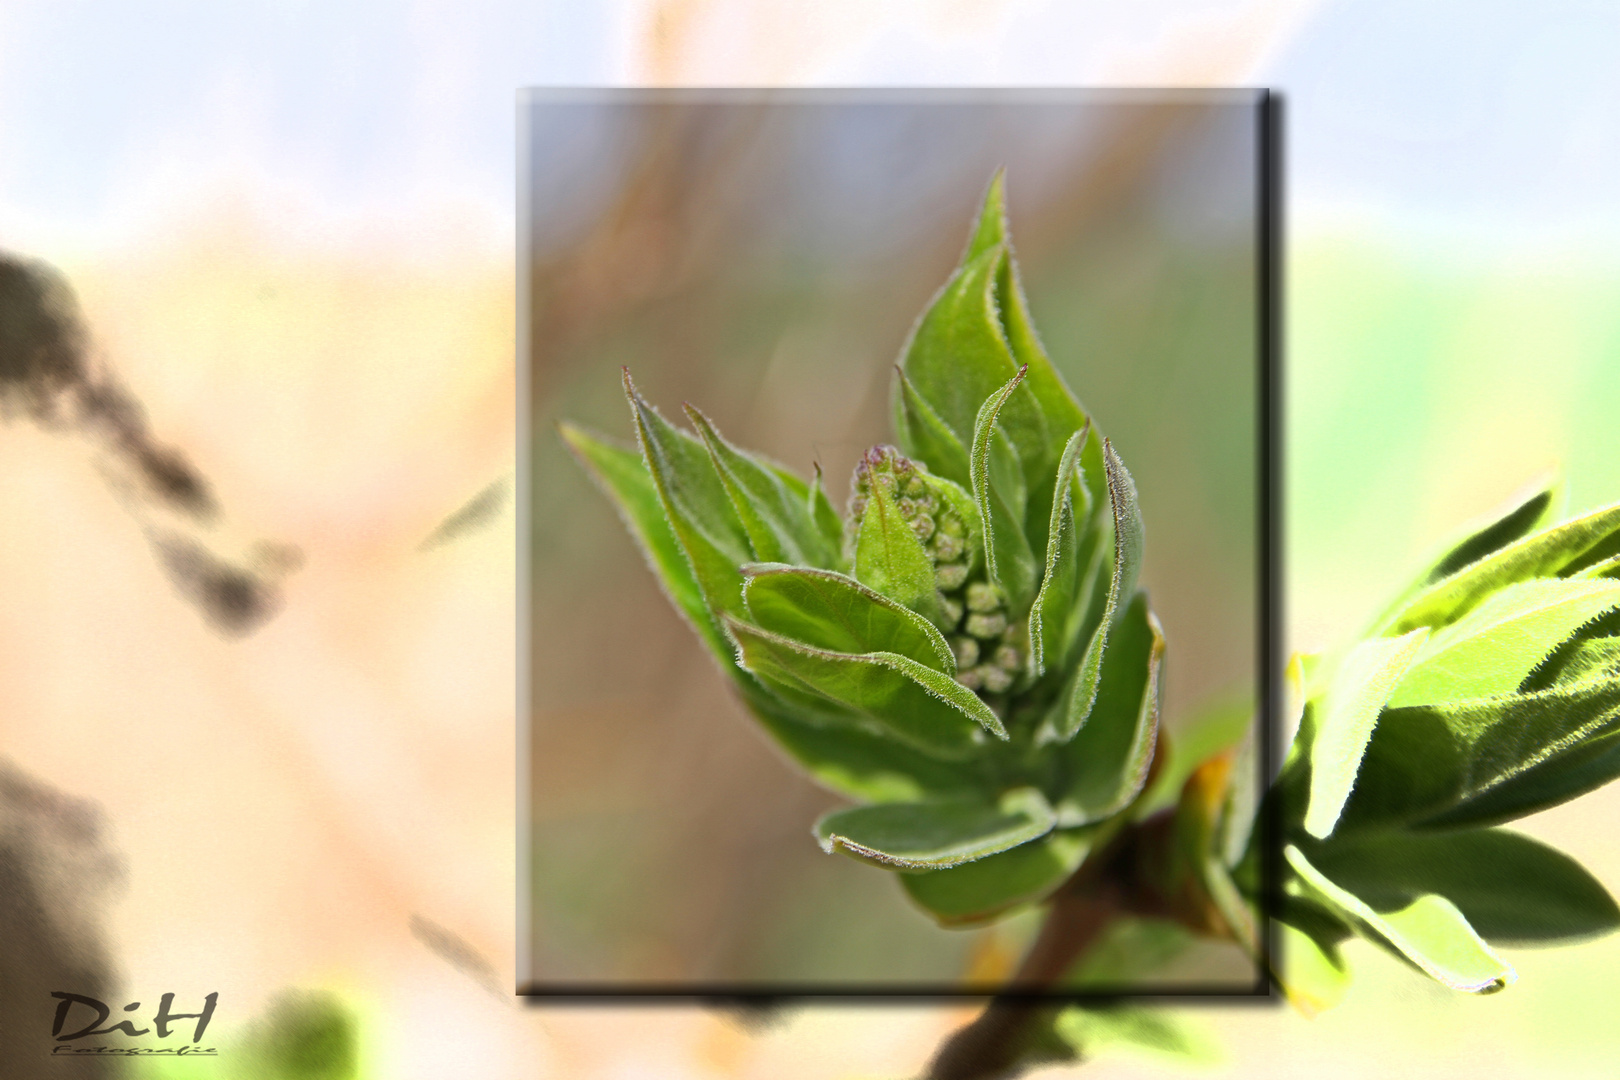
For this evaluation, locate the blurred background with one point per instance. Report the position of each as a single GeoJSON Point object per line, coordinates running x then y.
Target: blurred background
{"type": "Point", "coordinates": [1453, 204]}
{"type": "Point", "coordinates": [764, 258]}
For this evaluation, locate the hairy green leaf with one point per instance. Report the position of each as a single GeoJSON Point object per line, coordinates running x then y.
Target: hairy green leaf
{"type": "Point", "coordinates": [1107, 761]}
{"type": "Point", "coordinates": [855, 761]}
{"type": "Point", "coordinates": [1053, 616]}
{"type": "Point", "coordinates": [891, 560]}
{"type": "Point", "coordinates": [981, 890]}
{"type": "Point", "coordinates": [1081, 694]}
{"type": "Point", "coordinates": [914, 703]}
{"type": "Point", "coordinates": [1543, 554]}
{"type": "Point", "coordinates": [1364, 681]}
{"type": "Point", "coordinates": [775, 514]}
{"type": "Point", "coordinates": [1485, 760]}
{"type": "Point", "coordinates": [957, 355]}
{"type": "Point", "coordinates": [924, 436]}
{"type": "Point", "coordinates": [621, 475]}
{"type": "Point", "coordinates": [1510, 888]}
{"type": "Point", "coordinates": [1524, 513]}
{"type": "Point", "coordinates": [934, 835]}
{"type": "Point", "coordinates": [1060, 409]}
{"type": "Point", "coordinates": [1495, 646]}
{"type": "Point", "coordinates": [1428, 932]}
{"type": "Point", "coordinates": [829, 611]}
{"type": "Point", "coordinates": [695, 503]}
{"type": "Point", "coordinates": [999, 494]}
{"type": "Point", "coordinates": [1590, 653]}
{"type": "Point", "coordinates": [826, 519]}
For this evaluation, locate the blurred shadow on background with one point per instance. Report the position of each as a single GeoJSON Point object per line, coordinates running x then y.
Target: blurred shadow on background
{"type": "Point", "coordinates": [57, 878]}
{"type": "Point", "coordinates": [765, 261]}
{"type": "Point", "coordinates": [47, 375]}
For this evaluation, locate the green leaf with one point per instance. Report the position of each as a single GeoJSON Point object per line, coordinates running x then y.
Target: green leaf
{"type": "Point", "coordinates": [826, 519]}
{"type": "Point", "coordinates": [957, 355]}
{"type": "Point", "coordinates": [696, 504]}
{"type": "Point", "coordinates": [1485, 760]}
{"type": "Point", "coordinates": [1080, 696]}
{"type": "Point", "coordinates": [1524, 512]}
{"type": "Point", "coordinates": [1107, 762]}
{"type": "Point", "coordinates": [1429, 932]}
{"type": "Point", "coordinates": [998, 493]}
{"type": "Point", "coordinates": [1129, 948]}
{"type": "Point", "coordinates": [1543, 554]}
{"type": "Point", "coordinates": [1510, 888]}
{"type": "Point", "coordinates": [855, 761]}
{"type": "Point", "coordinates": [1103, 1029]}
{"type": "Point", "coordinates": [1591, 652]}
{"type": "Point", "coordinates": [924, 436]}
{"type": "Point", "coordinates": [891, 560]}
{"type": "Point", "coordinates": [915, 704]}
{"type": "Point", "coordinates": [829, 611]}
{"type": "Point", "coordinates": [1364, 681]}
{"type": "Point", "coordinates": [1244, 786]}
{"type": "Point", "coordinates": [775, 514]}
{"type": "Point", "coordinates": [1061, 410]}
{"type": "Point", "coordinates": [1229, 903]}
{"type": "Point", "coordinates": [1212, 730]}
{"type": "Point", "coordinates": [934, 835]}
{"type": "Point", "coordinates": [1495, 646]}
{"type": "Point", "coordinates": [1313, 973]}
{"type": "Point", "coordinates": [621, 475]}
{"type": "Point", "coordinates": [981, 890]}
{"type": "Point", "coordinates": [1054, 617]}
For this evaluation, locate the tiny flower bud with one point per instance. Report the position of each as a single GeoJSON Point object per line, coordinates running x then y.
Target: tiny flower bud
{"type": "Point", "coordinates": [924, 526]}
{"type": "Point", "coordinates": [995, 680]}
{"type": "Point", "coordinates": [1007, 658]}
{"type": "Point", "coordinates": [970, 679]}
{"type": "Point", "coordinates": [950, 609]}
{"type": "Point", "coordinates": [982, 596]}
{"type": "Point", "coordinates": [947, 548]}
{"type": "Point", "coordinates": [967, 652]}
{"type": "Point", "coordinates": [950, 576]}
{"type": "Point", "coordinates": [986, 626]}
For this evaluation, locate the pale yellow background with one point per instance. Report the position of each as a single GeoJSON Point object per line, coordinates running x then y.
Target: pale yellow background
{"type": "Point", "coordinates": [336, 356]}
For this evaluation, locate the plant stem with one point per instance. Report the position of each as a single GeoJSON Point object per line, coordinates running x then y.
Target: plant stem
{"type": "Point", "coordinates": [1001, 1039]}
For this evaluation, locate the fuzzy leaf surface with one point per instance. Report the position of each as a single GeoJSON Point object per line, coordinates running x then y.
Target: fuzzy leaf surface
{"type": "Point", "coordinates": [912, 702]}
{"type": "Point", "coordinates": [621, 475]}
{"type": "Point", "coordinates": [1081, 694]}
{"type": "Point", "coordinates": [999, 493]}
{"type": "Point", "coordinates": [889, 558]}
{"type": "Point", "coordinates": [1561, 548]}
{"type": "Point", "coordinates": [1364, 681]}
{"type": "Point", "coordinates": [1511, 888]}
{"type": "Point", "coordinates": [957, 356]}
{"type": "Point", "coordinates": [1428, 932]}
{"type": "Point", "coordinates": [829, 611]}
{"type": "Point", "coordinates": [924, 436]}
{"type": "Point", "coordinates": [1493, 648]}
{"type": "Point", "coordinates": [696, 504]}
{"type": "Point", "coordinates": [856, 761]}
{"type": "Point", "coordinates": [978, 891]}
{"type": "Point", "coordinates": [1107, 762]}
{"type": "Point", "coordinates": [1054, 616]}
{"type": "Point", "coordinates": [775, 514]}
{"type": "Point", "coordinates": [1486, 760]}
{"type": "Point", "coordinates": [935, 835]}
{"type": "Point", "coordinates": [827, 521]}
{"type": "Point", "coordinates": [1059, 408]}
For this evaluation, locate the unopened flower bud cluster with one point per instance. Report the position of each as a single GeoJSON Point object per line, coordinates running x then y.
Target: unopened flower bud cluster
{"type": "Point", "coordinates": [985, 641]}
